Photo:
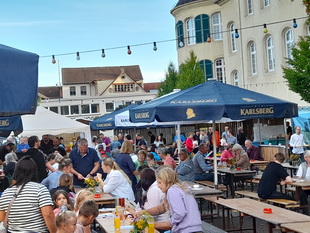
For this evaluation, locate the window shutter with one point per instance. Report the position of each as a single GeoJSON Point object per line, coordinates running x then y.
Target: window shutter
{"type": "Point", "coordinates": [198, 28]}
{"type": "Point", "coordinates": [202, 26]}
{"type": "Point", "coordinates": [180, 33]}
{"type": "Point", "coordinates": [206, 27]}
{"type": "Point", "coordinates": [209, 69]}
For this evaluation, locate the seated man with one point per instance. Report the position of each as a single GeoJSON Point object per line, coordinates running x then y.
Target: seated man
{"type": "Point", "coordinates": [274, 172]}
{"type": "Point", "coordinates": [185, 169]}
{"type": "Point", "coordinates": [253, 151]}
{"type": "Point", "coordinates": [200, 166]}
{"type": "Point", "coordinates": [304, 173]}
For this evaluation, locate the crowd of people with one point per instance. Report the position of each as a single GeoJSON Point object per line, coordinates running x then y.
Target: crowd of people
{"type": "Point", "coordinates": [43, 177]}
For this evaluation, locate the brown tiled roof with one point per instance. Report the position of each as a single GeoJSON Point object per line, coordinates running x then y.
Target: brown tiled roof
{"type": "Point", "coordinates": [52, 92]}
{"type": "Point", "coordinates": [151, 86]}
{"type": "Point", "coordinates": [90, 74]}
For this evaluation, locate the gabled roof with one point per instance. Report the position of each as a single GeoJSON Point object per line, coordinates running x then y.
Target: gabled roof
{"type": "Point", "coordinates": [92, 74]}
{"type": "Point", "coordinates": [52, 92]}
{"type": "Point", "coordinates": [151, 86]}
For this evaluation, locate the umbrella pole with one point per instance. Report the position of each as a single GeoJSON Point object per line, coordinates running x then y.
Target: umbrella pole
{"type": "Point", "coordinates": [214, 156]}
{"type": "Point", "coordinates": [179, 139]}
{"type": "Point", "coordinates": [259, 132]}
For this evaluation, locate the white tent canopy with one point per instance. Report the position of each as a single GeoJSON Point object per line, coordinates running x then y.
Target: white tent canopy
{"type": "Point", "coordinates": [48, 122]}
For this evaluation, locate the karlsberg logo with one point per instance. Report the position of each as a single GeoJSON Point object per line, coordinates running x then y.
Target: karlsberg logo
{"type": "Point", "coordinates": [190, 113]}
{"type": "Point", "coordinates": [142, 115]}
{"type": "Point", "coordinates": [248, 99]}
{"type": "Point", "coordinates": [4, 122]}
{"type": "Point", "coordinates": [256, 111]}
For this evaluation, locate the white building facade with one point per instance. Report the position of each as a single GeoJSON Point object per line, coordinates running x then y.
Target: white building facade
{"type": "Point", "coordinates": [232, 45]}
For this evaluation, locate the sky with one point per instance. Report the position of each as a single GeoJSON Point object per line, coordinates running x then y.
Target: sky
{"type": "Point", "coordinates": [68, 26]}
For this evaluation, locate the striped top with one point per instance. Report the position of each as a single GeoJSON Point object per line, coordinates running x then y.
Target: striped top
{"type": "Point", "coordinates": [25, 214]}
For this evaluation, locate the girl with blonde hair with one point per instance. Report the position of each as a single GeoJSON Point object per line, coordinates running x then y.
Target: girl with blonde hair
{"type": "Point", "coordinates": [184, 213]}
{"type": "Point", "coordinates": [117, 182]}
{"type": "Point", "coordinates": [66, 222]}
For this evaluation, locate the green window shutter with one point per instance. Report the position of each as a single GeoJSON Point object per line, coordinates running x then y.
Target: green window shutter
{"type": "Point", "coordinates": [198, 28]}
{"type": "Point", "coordinates": [206, 65]}
{"type": "Point", "coordinates": [202, 27]}
{"type": "Point", "coordinates": [180, 33]}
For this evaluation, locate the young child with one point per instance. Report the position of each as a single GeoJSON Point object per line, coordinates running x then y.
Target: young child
{"type": "Point", "coordinates": [66, 184]}
{"type": "Point", "coordinates": [61, 198]}
{"type": "Point", "coordinates": [66, 222]}
{"type": "Point", "coordinates": [82, 196]}
{"type": "Point", "coordinates": [87, 214]}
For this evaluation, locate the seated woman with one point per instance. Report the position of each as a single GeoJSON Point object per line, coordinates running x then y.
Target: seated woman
{"type": "Point", "coordinates": [117, 182]}
{"type": "Point", "coordinates": [66, 184]}
{"type": "Point", "coordinates": [184, 213]}
{"type": "Point", "coordinates": [241, 156]}
{"type": "Point", "coordinates": [10, 163]}
{"type": "Point", "coordinates": [227, 154]}
{"type": "Point", "coordinates": [141, 159]}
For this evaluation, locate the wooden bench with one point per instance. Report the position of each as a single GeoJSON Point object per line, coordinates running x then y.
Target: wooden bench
{"type": "Point", "coordinates": [249, 194]}
{"type": "Point", "coordinates": [285, 203]}
{"type": "Point", "coordinates": [252, 182]}
{"type": "Point", "coordinates": [207, 228]}
{"type": "Point", "coordinates": [291, 189]}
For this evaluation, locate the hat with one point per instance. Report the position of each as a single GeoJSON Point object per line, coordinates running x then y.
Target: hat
{"type": "Point", "coordinates": [9, 144]}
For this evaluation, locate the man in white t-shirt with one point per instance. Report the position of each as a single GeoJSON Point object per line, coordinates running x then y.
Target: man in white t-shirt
{"type": "Point", "coordinates": [304, 173]}
{"type": "Point", "coordinates": [297, 142]}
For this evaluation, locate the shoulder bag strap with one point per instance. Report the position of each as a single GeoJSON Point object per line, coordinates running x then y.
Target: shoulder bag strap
{"type": "Point", "coordinates": [5, 221]}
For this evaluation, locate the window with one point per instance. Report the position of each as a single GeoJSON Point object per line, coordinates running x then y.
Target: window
{"type": "Point", "coordinates": [180, 34]}
{"type": "Point", "coordinates": [123, 87]}
{"type": "Point", "coordinates": [64, 110]}
{"type": "Point", "coordinates": [220, 70]}
{"type": "Point", "coordinates": [72, 91]}
{"type": "Point", "coordinates": [54, 109]}
{"type": "Point", "coordinates": [217, 26]}
{"type": "Point", "coordinates": [83, 90]}
{"type": "Point", "coordinates": [250, 6]}
{"type": "Point", "coordinates": [232, 37]}
{"type": "Point", "coordinates": [235, 77]}
{"type": "Point", "coordinates": [85, 108]}
{"type": "Point", "coordinates": [206, 65]}
{"type": "Point", "coordinates": [109, 107]}
{"type": "Point", "coordinates": [74, 109]}
{"type": "Point", "coordinates": [94, 108]}
{"type": "Point", "coordinates": [270, 54]}
{"type": "Point", "coordinates": [289, 41]}
{"type": "Point", "coordinates": [202, 28]}
{"type": "Point", "coordinates": [266, 3]}
{"type": "Point", "coordinates": [253, 60]}
{"type": "Point", "coordinates": [190, 27]}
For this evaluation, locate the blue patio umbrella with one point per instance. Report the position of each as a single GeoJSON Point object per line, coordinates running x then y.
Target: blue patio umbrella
{"type": "Point", "coordinates": [107, 122]}
{"type": "Point", "coordinates": [212, 100]}
{"type": "Point", "coordinates": [18, 81]}
{"type": "Point", "coordinates": [9, 124]}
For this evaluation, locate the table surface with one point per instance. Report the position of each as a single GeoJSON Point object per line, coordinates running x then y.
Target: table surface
{"type": "Point", "coordinates": [255, 209]}
{"type": "Point", "coordinates": [204, 190]}
{"type": "Point", "coordinates": [236, 172]}
{"type": "Point", "coordinates": [103, 196]}
{"type": "Point", "coordinates": [287, 165]}
{"type": "Point", "coordinates": [299, 227]}
{"type": "Point", "coordinates": [259, 162]}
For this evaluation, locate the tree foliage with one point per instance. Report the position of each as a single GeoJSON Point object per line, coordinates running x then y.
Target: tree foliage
{"type": "Point", "coordinates": [298, 71]}
{"type": "Point", "coordinates": [191, 73]}
{"type": "Point", "coordinates": [170, 80]}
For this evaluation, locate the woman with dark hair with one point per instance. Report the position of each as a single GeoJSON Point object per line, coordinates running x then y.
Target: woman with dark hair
{"type": "Point", "coordinates": [32, 209]}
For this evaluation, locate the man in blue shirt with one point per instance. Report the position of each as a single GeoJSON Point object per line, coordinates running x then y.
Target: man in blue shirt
{"type": "Point", "coordinates": [202, 170]}
{"type": "Point", "coordinates": [85, 162]}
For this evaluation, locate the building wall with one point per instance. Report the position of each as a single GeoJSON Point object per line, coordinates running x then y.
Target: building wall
{"type": "Point", "coordinates": [236, 11]}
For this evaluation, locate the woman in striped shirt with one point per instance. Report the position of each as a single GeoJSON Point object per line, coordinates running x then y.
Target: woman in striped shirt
{"type": "Point", "coordinates": [32, 210]}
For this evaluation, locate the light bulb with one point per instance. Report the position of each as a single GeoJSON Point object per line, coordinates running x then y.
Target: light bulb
{"type": "Point", "coordinates": [78, 56]}
{"type": "Point", "coordinates": [236, 33]}
{"type": "Point", "coordinates": [128, 50]}
{"type": "Point", "coordinates": [53, 59]}
{"type": "Point", "coordinates": [102, 53]}
{"type": "Point", "coordinates": [265, 28]}
{"type": "Point", "coordinates": [209, 40]}
{"type": "Point", "coordinates": [154, 47]}
{"type": "Point", "coordinates": [294, 23]}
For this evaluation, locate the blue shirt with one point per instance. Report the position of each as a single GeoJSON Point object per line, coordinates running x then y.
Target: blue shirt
{"type": "Point", "coordinates": [52, 181]}
{"type": "Point", "coordinates": [125, 162]}
{"type": "Point", "coordinates": [83, 164]}
{"type": "Point", "coordinates": [185, 170]}
{"type": "Point", "coordinates": [20, 147]}
{"type": "Point", "coordinates": [181, 136]}
{"type": "Point", "coordinates": [156, 156]}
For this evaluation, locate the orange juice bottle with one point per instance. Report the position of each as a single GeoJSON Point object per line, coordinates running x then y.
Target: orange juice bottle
{"type": "Point", "coordinates": [117, 223]}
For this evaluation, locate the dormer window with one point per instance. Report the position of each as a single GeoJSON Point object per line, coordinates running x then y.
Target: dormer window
{"type": "Point", "coordinates": [83, 90]}
{"type": "Point", "coordinates": [72, 91]}
{"type": "Point", "coordinates": [123, 87]}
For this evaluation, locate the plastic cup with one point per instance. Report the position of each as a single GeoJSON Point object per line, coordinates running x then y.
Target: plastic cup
{"type": "Point", "coordinates": [121, 214]}
{"type": "Point", "coordinates": [151, 227]}
{"type": "Point", "coordinates": [121, 202]}
{"type": "Point", "coordinates": [238, 168]}
{"type": "Point", "coordinates": [117, 223]}
{"type": "Point", "coordinates": [267, 210]}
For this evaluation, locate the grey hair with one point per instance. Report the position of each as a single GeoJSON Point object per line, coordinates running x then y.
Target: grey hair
{"type": "Point", "coordinates": [82, 142]}
{"type": "Point", "coordinates": [249, 141]}
{"type": "Point", "coordinates": [237, 147]}
{"type": "Point", "coordinates": [162, 151]}
{"type": "Point", "coordinates": [10, 157]}
{"type": "Point", "coordinates": [307, 153]}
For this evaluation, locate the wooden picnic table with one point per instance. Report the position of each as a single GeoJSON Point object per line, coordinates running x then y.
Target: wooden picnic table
{"type": "Point", "coordinates": [230, 174]}
{"type": "Point", "coordinates": [255, 209]}
{"type": "Point", "coordinates": [203, 190]}
{"type": "Point", "coordinates": [299, 227]}
{"type": "Point", "coordinates": [105, 198]}
{"type": "Point", "coordinates": [259, 162]}
{"type": "Point", "coordinates": [291, 168]}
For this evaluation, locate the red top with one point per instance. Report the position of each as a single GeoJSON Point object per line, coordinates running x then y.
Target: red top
{"type": "Point", "coordinates": [170, 161]}
{"type": "Point", "coordinates": [226, 155]}
{"type": "Point", "coordinates": [189, 145]}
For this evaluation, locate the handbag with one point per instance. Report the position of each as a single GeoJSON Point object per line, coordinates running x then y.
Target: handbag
{"type": "Point", "coordinates": [5, 221]}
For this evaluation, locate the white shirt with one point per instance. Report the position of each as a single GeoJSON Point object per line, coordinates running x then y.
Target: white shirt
{"type": "Point", "coordinates": [117, 185]}
{"type": "Point", "coordinates": [297, 140]}
{"type": "Point", "coordinates": [299, 173]}
{"type": "Point", "coordinates": [154, 197]}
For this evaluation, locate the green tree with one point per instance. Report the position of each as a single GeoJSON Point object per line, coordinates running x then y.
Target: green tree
{"type": "Point", "coordinates": [191, 73]}
{"type": "Point", "coordinates": [170, 81]}
{"type": "Point", "coordinates": [298, 71]}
